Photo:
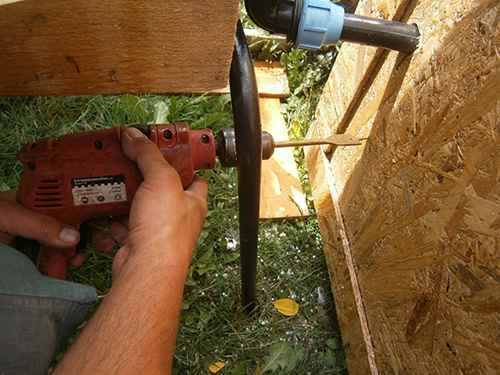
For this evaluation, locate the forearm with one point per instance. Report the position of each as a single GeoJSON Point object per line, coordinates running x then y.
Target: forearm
{"type": "Point", "coordinates": [134, 329]}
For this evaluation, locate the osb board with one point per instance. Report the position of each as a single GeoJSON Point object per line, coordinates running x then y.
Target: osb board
{"type": "Point", "coordinates": [56, 47]}
{"type": "Point", "coordinates": [420, 203]}
{"type": "Point", "coordinates": [281, 194]}
{"type": "Point", "coordinates": [272, 81]}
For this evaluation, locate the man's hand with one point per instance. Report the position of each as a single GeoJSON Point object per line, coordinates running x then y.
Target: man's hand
{"type": "Point", "coordinates": [134, 329]}
{"type": "Point", "coordinates": [15, 220]}
{"type": "Point", "coordinates": [162, 213]}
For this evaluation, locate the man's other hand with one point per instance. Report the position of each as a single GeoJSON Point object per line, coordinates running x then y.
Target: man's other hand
{"type": "Point", "coordinates": [15, 220]}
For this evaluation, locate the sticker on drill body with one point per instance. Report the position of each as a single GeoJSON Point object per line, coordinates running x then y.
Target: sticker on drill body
{"type": "Point", "coordinates": [98, 190]}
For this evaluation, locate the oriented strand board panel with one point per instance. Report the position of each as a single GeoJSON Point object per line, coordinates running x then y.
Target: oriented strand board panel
{"type": "Point", "coordinates": [411, 218]}
{"type": "Point", "coordinates": [281, 194]}
{"type": "Point", "coordinates": [58, 47]}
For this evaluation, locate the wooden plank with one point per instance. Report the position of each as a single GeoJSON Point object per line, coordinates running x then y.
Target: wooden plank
{"type": "Point", "coordinates": [355, 68]}
{"type": "Point", "coordinates": [5, 2]}
{"type": "Point", "coordinates": [281, 190]}
{"type": "Point", "coordinates": [410, 221]}
{"type": "Point", "coordinates": [272, 80]}
{"type": "Point", "coordinates": [56, 47]}
{"type": "Point", "coordinates": [258, 37]}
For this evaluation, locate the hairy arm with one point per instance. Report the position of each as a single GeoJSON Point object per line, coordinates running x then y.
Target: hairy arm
{"type": "Point", "coordinates": [134, 329]}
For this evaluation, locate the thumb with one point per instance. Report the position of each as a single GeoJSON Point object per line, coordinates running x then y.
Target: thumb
{"type": "Point", "coordinates": [17, 220]}
{"type": "Point", "coordinates": [149, 159]}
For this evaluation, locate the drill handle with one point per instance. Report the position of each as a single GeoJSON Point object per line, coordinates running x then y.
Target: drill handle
{"type": "Point", "coordinates": [53, 262]}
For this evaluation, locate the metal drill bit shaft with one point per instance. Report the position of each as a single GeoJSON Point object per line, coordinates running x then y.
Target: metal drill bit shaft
{"type": "Point", "coordinates": [336, 140]}
{"type": "Point", "coordinates": [228, 155]}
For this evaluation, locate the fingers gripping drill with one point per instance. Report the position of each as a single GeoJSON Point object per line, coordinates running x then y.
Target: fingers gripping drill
{"type": "Point", "coordinates": [84, 176]}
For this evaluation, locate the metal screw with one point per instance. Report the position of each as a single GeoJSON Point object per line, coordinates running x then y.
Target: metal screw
{"type": "Point", "coordinates": [167, 134]}
{"type": "Point", "coordinates": [98, 145]}
{"type": "Point", "coordinates": [205, 138]}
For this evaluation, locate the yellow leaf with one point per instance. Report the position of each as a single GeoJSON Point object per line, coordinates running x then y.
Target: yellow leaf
{"type": "Point", "coordinates": [215, 367]}
{"type": "Point", "coordinates": [287, 306]}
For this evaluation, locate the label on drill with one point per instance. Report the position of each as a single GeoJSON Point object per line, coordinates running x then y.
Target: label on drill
{"type": "Point", "coordinates": [98, 190]}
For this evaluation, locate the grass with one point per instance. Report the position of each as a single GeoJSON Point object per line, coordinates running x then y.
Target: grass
{"type": "Point", "coordinates": [291, 262]}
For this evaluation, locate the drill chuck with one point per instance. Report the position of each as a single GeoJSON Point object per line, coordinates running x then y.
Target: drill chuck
{"type": "Point", "coordinates": [226, 147]}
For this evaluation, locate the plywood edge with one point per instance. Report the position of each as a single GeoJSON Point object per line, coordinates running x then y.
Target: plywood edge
{"type": "Point", "coordinates": [351, 314]}
{"type": "Point", "coordinates": [351, 310]}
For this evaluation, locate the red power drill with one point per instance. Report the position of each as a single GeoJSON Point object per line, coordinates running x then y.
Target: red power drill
{"type": "Point", "coordinates": [79, 177]}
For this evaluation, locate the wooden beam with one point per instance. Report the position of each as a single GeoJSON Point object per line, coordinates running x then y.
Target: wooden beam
{"type": "Point", "coordinates": [56, 47]}
{"type": "Point", "coordinates": [272, 80]}
{"type": "Point", "coordinates": [410, 220]}
{"type": "Point", "coordinates": [258, 36]}
{"type": "Point", "coordinates": [281, 190]}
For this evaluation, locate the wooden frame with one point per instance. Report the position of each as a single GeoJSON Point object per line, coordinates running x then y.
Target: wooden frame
{"type": "Point", "coordinates": [411, 219]}
{"type": "Point", "coordinates": [58, 47]}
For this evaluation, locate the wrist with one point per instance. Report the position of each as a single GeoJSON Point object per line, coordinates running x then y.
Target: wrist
{"type": "Point", "coordinates": [160, 259]}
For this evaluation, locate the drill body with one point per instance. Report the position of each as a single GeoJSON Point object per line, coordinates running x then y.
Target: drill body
{"type": "Point", "coordinates": [84, 176]}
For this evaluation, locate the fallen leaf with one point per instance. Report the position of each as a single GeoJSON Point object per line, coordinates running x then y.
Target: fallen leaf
{"type": "Point", "coordinates": [215, 367]}
{"type": "Point", "coordinates": [287, 306]}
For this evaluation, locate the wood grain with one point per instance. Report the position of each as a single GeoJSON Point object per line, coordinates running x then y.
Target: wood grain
{"type": "Point", "coordinates": [56, 47]}
{"type": "Point", "coordinates": [281, 190]}
{"type": "Point", "coordinates": [420, 202]}
{"type": "Point", "coordinates": [272, 80]}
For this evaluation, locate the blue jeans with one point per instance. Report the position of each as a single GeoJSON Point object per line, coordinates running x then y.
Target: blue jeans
{"type": "Point", "coordinates": [37, 314]}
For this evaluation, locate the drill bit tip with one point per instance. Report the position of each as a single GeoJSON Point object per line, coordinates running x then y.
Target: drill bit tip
{"type": "Point", "coordinates": [335, 140]}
